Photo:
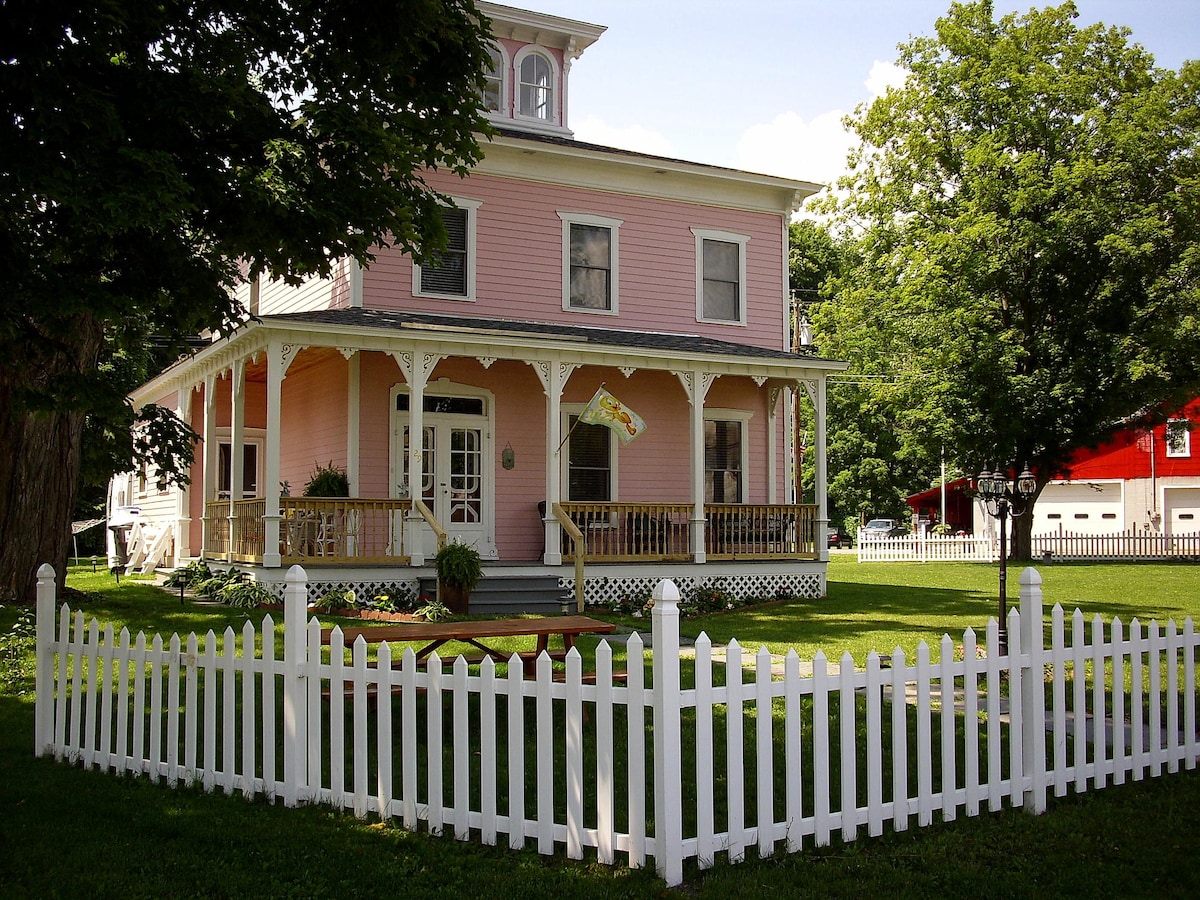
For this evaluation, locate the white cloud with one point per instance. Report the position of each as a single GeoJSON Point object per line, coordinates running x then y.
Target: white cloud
{"type": "Point", "coordinates": [884, 75]}
{"type": "Point", "coordinates": [813, 150]}
{"type": "Point", "coordinates": [593, 130]}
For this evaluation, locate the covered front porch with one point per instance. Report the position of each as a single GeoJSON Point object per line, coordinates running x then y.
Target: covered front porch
{"type": "Point", "coordinates": [500, 463]}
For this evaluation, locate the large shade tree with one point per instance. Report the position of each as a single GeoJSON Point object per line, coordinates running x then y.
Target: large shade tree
{"type": "Point", "coordinates": [156, 155]}
{"type": "Point", "coordinates": [1026, 209]}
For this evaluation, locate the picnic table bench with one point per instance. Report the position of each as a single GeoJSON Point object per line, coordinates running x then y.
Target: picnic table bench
{"type": "Point", "coordinates": [476, 631]}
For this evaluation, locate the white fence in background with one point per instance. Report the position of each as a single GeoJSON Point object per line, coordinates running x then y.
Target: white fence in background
{"type": "Point", "coordinates": [1125, 545]}
{"type": "Point", "coordinates": [1061, 545]}
{"type": "Point", "coordinates": [772, 755]}
{"type": "Point", "coordinates": [925, 547]}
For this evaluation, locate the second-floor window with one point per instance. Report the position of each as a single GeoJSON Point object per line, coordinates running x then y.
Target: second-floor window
{"type": "Point", "coordinates": [537, 88]}
{"type": "Point", "coordinates": [589, 262]}
{"type": "Point", "coordinates": [720, 276]}
{"type": "Point", "coordinates": [451, 273]}
{"type": "Point", "coordinates": [1178, 438]}
{"type": "Point", "coordinates": [493, 87]}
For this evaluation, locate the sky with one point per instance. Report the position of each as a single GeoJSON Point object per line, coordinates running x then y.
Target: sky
{"type": "Point", "coordinates": [762, 85]}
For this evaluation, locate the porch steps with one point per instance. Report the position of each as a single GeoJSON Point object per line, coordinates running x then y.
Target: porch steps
{"type": "Point", "coordinates": [500, 594]}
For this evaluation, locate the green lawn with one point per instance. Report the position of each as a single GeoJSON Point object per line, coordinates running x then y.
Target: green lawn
{"type": "Point", "coordinates": [64, 831]}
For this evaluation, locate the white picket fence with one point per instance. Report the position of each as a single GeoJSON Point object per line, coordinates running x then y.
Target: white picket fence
{"type": "Point", "coordinates": [924, 547]}
{"type": "Point", "coordinates": [757, 753]}
{"type": "Point", "coordinates": [1061, 545]}
{"type": "Point", "coordinates": [1124, 545]}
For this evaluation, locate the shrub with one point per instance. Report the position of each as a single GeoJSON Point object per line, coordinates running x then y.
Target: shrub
{"type": "Point", "coordinates": [328, 481]}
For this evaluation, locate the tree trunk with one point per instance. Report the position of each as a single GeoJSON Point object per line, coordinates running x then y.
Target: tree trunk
{"type": "Point", "coordinates": [1021, 539]}
{"type": "Point", "coordinates": [39, 467]}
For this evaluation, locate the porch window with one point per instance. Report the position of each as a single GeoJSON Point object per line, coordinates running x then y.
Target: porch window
{"type": "Point", "coordinates": [589, 263]}
{"type": "Point", "coordinates": [249, 470]}
{"type": "Point", "coordinates": [720, 276]}
{"type": "Point", "coordinates": [1179, 438]}
{"type": "Point", "coordinates": [723, 460]}
{"type": "Point", "coordinates": [451, 273]}
{"type": "Point", "coordinates": [589, 462]}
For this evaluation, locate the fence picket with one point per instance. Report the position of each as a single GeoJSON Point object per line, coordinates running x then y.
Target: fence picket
{"type": "Point", "coordinates": [995, 774]}
{"type": "Point", "coordinates": [605, 755]}
{"type": "Point", "coordinates": [358, 664]}
{"type": "Point", "coordinates": [1155, 691]}
{"type": "Point", "coordinates": [821, 780]}
{"type": "Point", "coordinates": [544, 730]}
{"type": "Point", "coordinates": [706, 844]}
{"type": "Point", "coordinates": [574, 748]}
{"type": "Point", "coordinates": [156, 755]}
{"type": "Point", "coordinates": [1079, 701]}
{"type": "Point", "coordinates": [946, 697]}
{"type": "Point", "coordinates": [764, 799]}
{"type": "Point", "coordinates": [970, 682]}
{"type": "Point", "coordinates": [734, 749]}
{"type": "Point", "coordinates": [122, 750]}
{"type": "Point", "coordinates": [488, 750]}
{"type": "Point", "coordinates": [848, 720]}
{"type": "Point", "coordinates": [1099, 710]}
{"type": "Point", "coordinates": [924, 739]}
{"type": "Point", "coordinates": [462, 751]}
{"type": "Point", "coordinates": [516, 754]}
{"type": "Point", "coordinates": [1189, 693]}
{"type": "Point", "coordinates": [874, 728]}
{"type": "Point", "coordinates": [635, 710]}
{"type": "Point", "coordinates": [1136, 698]}
{"type": "Point", "coordinates": [1172, 647]}
{"type": "Point", "coordinates": [383, 733]}
{"type": "Point", "coordinates": [900, 676]}
{"type": "Point", "coordinates": [794, 759]}
{"type": "Point", "coordinates": [1119, 763]}
{"type": "Point", "coordinates": [249, 738]}
{"type": "Point", "coordinates": [172, 708]}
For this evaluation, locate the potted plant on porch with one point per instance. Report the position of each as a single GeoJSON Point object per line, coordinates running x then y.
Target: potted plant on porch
{"type": "Point", "coordinates": [459, 569]}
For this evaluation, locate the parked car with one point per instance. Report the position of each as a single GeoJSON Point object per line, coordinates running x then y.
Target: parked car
{"type": "Point", "coordinates": [877, 528]}
{"type": "Point", "coordinates": [838, 539]}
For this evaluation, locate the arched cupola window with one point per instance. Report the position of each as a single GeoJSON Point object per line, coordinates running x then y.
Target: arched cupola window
{"type": "Point", "coordinates": [536, 97]}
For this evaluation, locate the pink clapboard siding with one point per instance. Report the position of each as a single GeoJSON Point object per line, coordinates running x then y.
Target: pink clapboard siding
{"type": "Point", "coordinates": [520, 251]}
{"type": "Point", "coordinates": [313, 415]}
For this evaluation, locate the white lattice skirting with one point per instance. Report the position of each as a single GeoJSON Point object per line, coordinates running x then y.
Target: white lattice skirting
{"type": "Point", "coordinates": [606, 590]}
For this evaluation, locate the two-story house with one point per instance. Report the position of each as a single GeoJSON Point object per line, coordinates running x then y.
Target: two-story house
{"type": "Point", "coordinates": [450, 393]}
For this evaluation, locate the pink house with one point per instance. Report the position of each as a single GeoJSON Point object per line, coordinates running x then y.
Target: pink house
{"type": "Point", "coordinates": [571, 266]}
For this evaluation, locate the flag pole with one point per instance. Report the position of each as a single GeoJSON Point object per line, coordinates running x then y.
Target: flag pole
{"type": "Point", "coordinates": [576, 425]}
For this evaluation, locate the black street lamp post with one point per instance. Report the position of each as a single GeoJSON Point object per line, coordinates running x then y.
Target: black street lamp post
{"type": "Point", "coordinates": [1003, 498]}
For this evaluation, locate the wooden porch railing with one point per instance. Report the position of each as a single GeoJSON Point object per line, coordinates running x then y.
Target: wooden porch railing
{"type": "Point", "coordinates": [311, 529]}
{"type": "Point", "coordinates": [662, 531]}
{"type": "Point", "coordinates": [760, 531]}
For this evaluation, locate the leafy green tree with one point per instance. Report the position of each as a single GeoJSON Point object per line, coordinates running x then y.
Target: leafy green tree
{"type": "Point", "coordinates": [1026, 211]}
{"type": "Point", "coordinates": [159, 154]}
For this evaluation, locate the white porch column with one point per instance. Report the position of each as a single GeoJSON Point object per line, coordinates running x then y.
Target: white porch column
{"type": "Point", "coordinates": [276, 367]}
{"type": "Point", "coordinates": [773, 394]}
{"type": "Point", "coordinates": [208, 475]}
{"type": "Point", "coordinates": [820, 481]}
{"type": "Point", "coordinates": [237, 440]}
{"type": "Point", "coordinates": [696, 384]}
{"type": "Point", "coordinates": [416, 369]}
{"type": "Point", "coordinates": [353, 399]}
{"type": "Point", "coordinates": [553, 375]}
{"type": "Point", "coordinates": [183, 496]}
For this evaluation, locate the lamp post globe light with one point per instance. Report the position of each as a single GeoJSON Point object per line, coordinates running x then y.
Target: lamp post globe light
{"type": "Point", "coordinates": [1003, 499]}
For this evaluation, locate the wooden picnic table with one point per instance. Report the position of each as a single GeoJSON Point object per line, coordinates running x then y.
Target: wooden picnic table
{"type": "Point", "coordinates": [475, 631]}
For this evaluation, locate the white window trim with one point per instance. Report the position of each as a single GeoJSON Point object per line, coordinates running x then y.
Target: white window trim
{"type": "Point", "coordinates": [472, 210]}
{"type": "Point", "coordinates": [566, 410]}
{"type": "Point", "coordinates": [706, 234]}
{"type": "Point", "coordinates": [506, 78]}
{"type": "Point", "coordinates": [717, 414]}
{"type": "Point", "coordinates": [1182, 427]}
{"type": "Point", "coordinates": [613, 225]}
{"type": "Point", "coordinates": [555, 86]}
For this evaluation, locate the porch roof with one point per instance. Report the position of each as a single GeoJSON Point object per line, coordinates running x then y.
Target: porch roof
{"type": "Point", "coordinates": [594, 338]}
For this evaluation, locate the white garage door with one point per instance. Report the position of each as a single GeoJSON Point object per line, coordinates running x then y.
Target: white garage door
{"type": "Point", "coordinates": [1080, 508]}
{"type": "Point", "coordinates": [1181, 510]}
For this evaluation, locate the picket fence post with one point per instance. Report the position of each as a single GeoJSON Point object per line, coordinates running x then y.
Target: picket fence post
{"type": "Point", "coordinates": [295, 672]}
{"type": "Point", "coordinates": [1033, 692]}
{"type": "Point", "coordinates": [668, 784]}
{"type": "Point", "coordinates": [43, 674]}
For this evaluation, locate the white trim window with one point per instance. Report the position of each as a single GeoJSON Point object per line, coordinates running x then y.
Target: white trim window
{"type": "Point", "coordinates": [495, 83]}
{"type": "Point", "coordinates": [537, 75]}
{"type": "Point", "coordinates": [590, 254]}
{"type": "Point", "coordinates": [726, 454]}
{"type": "Point", "coordinates": [720, 276]}
{"type": "Point", "coordinates": [452, 275]}
{"type": "Point", "coordinates": [1178, 438]}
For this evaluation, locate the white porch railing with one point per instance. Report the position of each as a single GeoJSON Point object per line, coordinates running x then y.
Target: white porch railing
{"type": "Point", "coordinates": [540, 760]}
